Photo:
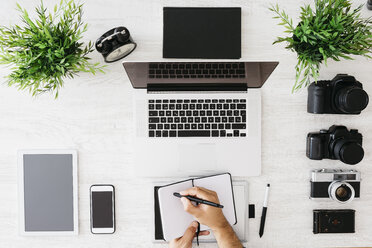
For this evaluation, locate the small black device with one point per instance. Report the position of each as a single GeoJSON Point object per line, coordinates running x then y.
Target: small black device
{"type": "Point", "coordinates": [338, 185]}
{"type": "Point", "coordinates": [102, 208]}
{"type": "Point", "coordinates": [115, 44]}
{"type": "Point", "coordinates": [335, 143]}
{"type": "Point", "coordinates": [341, 95]}
{"type": "Point", "coordinates": [205, 33]}
{"type": "Point", "coordinates": [369, 4]}
{"type": "Point", "coordinates": [334, 221]}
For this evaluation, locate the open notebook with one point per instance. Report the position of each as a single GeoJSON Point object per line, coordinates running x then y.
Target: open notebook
{"type": "Point", "coordinates": [174, 220]}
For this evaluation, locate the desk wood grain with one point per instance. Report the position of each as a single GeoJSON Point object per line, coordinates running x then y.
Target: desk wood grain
{"type": "Point", "coordinates": [94, 115]}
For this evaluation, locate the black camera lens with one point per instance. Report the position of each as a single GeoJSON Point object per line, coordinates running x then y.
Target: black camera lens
{"type": "Point", "coordinates": [352, 99]}
{"type": "Point", "coordinates": [343, 193]}
{"type": "Point", "coordinates": [348, 152]}
{"type": "Point", "coordinates": [351, 153]}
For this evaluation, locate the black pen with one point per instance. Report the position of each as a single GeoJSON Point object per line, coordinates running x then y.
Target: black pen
{"type": "Point", "coordinates": [197, 234]}
{"type": "Point", "coordinates": [264, 210]}
{"type": "Point", "coordinates": [197, 200]}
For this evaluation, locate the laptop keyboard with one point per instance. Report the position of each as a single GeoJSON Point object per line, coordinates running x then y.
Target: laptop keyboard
{"type": "Point", "coordinates": [197, 70]}
{"type": "Point", "coordinates": [197, 117]}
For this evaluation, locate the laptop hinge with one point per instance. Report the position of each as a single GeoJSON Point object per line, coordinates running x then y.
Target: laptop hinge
{"type": "Point", "coordinates": [162, 88]}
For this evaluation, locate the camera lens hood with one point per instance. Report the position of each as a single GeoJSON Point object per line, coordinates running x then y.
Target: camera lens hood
{"type": "Point", "coordinates": [341, 191]}
{"type": "Point", "coordinates": [352, 99]}
{"type": "Point", "coordinates": [349, 152]}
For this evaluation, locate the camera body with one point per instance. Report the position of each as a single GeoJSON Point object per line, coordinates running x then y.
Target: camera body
{"type": "Point", "coordinates": [335, 143]}
{"type": "Point", "coordinates": [338, 185]}
{"type": "Point", "coordinates": [369, 4]}
{"type": "Point", "coordinates": [333, 221]}
{"type": "Point", "coordinates": [341, 95]}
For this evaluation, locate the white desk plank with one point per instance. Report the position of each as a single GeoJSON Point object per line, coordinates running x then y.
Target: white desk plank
{"type": "Point", "coordinates": [94, 115]}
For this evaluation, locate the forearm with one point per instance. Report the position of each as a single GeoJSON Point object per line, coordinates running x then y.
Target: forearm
{"type": "Point", "coordinates": [226, 238]}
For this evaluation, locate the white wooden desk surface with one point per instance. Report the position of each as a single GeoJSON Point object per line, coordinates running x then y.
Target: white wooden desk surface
{"type": "Point", "coordinates": [93, 114]}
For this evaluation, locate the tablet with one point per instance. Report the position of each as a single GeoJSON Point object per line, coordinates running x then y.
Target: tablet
{"type": "Point", "coordinates": [48, 192]}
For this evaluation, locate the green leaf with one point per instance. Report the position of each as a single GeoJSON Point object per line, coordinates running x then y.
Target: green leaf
{"type": "Point", "coordinates": [332, 30]}
{"type": "Point", "coordinates": [46, 49]}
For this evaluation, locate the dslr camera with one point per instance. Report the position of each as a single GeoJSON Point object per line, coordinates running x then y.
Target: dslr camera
{"type": "Point", "coordinates": [338, 185]}
{"type": "Point", "coordinates": [335, 143]}
{"type": "Point", "coordinates": [341, 95]}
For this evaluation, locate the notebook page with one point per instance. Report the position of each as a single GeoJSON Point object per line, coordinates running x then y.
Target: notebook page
{"type": "Point", "coordinates": [221, 184]}
{"type": "Point", "coordinates": [174, 219]}
{"type": "Point", "coordinates": [241, 209]}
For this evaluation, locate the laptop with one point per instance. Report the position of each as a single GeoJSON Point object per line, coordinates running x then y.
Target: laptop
{"type": "Point", "coordinates": [197, 118]}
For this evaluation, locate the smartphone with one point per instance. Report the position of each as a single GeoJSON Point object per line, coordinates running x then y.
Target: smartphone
{"type": "Point", "coordinates": [102, 208]}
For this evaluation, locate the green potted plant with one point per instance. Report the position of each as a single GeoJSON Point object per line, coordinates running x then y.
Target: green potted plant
{"type": "Point", "coordinates": [332, 30]}
{"type": "Point", "coordinates": [46, 50]}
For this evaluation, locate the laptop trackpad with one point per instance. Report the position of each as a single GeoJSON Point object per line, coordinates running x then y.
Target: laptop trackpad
{"type": "Point", "coordinates": [197, 157]}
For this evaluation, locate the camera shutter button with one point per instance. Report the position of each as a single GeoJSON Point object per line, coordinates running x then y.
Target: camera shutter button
{"type": "Point", "coordinates": [349, 152]}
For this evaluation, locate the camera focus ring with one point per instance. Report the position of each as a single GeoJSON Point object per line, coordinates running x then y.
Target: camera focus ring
{"type": "Point", "coordinates": [349, 152]}
{"type": "Point", "coordinates": [352, 99]}
{"type": "Point", "coordinates": [341, 191]}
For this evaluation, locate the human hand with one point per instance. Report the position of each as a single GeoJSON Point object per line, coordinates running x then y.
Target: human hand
{"type": "Point", "coordinates": [186, 240]}
{"type": "Point", "coordinates": [205, 214]}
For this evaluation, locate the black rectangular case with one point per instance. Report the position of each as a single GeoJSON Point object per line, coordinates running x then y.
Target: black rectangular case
{"type": "Point", "coordinates": [333, 221]}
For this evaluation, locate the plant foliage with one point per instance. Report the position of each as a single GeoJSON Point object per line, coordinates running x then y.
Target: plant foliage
{"type": "Point", "coordinates": [46, 50]}
{"type": "Point", "coordinates": [332, 31]}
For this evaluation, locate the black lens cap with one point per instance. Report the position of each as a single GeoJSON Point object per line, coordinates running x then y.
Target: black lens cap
{"type": "Point", "coordinates": [353, 99]}
{"type": "Point", "coordinates": [351, 153]}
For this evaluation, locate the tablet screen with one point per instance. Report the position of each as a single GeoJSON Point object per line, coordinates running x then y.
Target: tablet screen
{"type": "Point", "coordinates": [48, 192]}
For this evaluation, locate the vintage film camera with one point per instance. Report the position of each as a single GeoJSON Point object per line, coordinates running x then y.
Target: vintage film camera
{"type": "Point", "coordinates": [333, 221]}
{"type": "Point", "coordinates": [338, 185]}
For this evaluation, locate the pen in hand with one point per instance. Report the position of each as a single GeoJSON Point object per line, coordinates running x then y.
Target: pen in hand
{"type": "Point", "coordinates": [197, 200]}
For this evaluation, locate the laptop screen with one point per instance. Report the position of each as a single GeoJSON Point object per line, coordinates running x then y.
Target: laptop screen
{"type": "Point", "coordinates": [207, 33]}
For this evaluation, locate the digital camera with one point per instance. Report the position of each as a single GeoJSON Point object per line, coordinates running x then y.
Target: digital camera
{"type": "Point", "coordinates": [338, 185]}
{"type": "Point", "coordinates": [341, 95]}
{"type": "Point", "coordinates": [335, 143]}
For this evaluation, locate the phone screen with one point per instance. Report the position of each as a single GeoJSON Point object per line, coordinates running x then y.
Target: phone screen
{"type": "Point", "coordinates": [102, 209]}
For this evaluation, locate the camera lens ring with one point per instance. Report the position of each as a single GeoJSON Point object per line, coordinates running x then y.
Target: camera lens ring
{"type": "Point", "coordinates": [351, 153]}
{"type": "Point", "coordinates": [352, 99]}
{"type": "Point", "coordinates": [348, 151]}
{"type": "Point", "coordinates": [341, 191]}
